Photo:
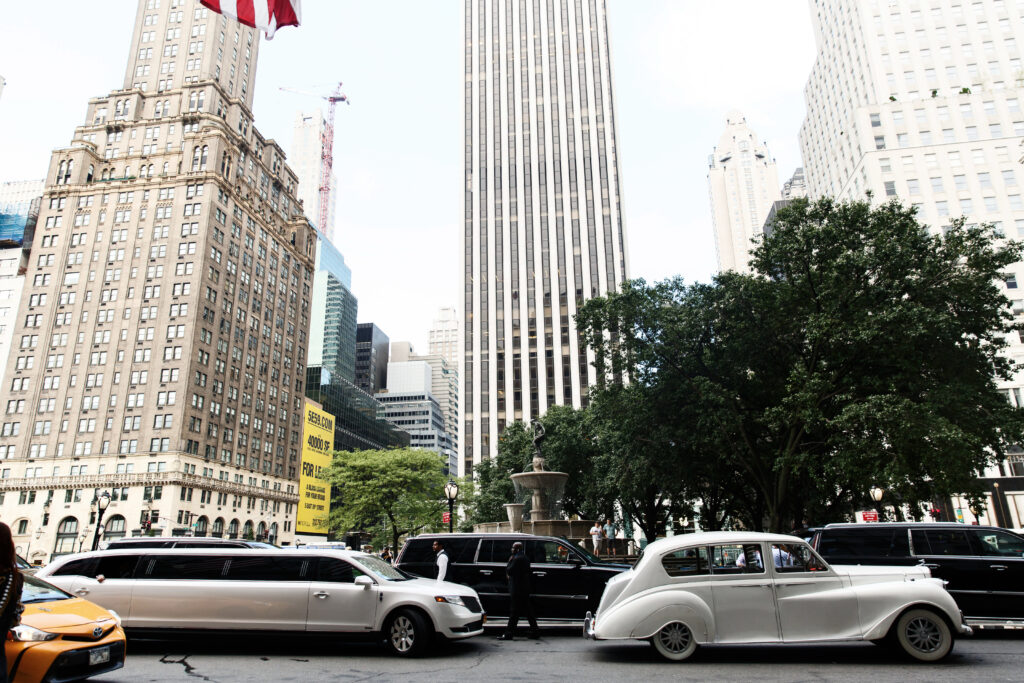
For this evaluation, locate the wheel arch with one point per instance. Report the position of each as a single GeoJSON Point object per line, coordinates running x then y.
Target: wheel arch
{"type": "Point", "coordinates": [696, 616]}
{"type": "Point", "coordinates": [883, 628]}
{"type": "Point", "coordinates": [411, 606]}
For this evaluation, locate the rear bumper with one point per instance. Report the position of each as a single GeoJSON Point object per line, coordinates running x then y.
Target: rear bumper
{"type": "Point", "coordinates": [588, 627]}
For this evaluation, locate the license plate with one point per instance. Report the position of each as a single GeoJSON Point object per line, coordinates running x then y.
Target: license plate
{"type": "Point", "coordinates": [99, 656]}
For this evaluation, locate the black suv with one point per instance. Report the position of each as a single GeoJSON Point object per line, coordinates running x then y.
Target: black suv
{"type": "Point", "coordinates": [567, 581]}
{"type": "Point", "coordinates": [983, 565]}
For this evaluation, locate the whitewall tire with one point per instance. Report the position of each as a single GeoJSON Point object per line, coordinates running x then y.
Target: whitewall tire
{"type": "Point", "coordinates": [923, 635]}
{"type": "Point", "coordinates": [675, 642]}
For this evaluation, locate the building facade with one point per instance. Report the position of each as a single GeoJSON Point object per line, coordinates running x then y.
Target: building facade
{"type": "Point", "coordinates": [923, 102]}
{"type": "Point", "coordinates": [444, 384]}
{"type": "Point", "coordinates": [743, 182]}
{"type": "Point", "coordinates": [160, 344]}
{"type": "Point", "coordinates": [372, 353]}
{"type": "Point", "coordinates": [332, 333]}
{"type": "Point", "coordinates": [359, 422]}
{"type": "Point", "coordinates": [306, 160]}
{"type": "Point", "coordinates": [542, 208]}
{"type": "Point", "coordinates": [410, 405]}
{"type": "Point", "coordinates": [19, 212]}
{"type": "Point", "coordinates": [443, 336]}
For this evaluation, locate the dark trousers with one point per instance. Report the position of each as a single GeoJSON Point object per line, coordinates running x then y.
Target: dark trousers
{"type": "Point", "coordinates": [520, 603]}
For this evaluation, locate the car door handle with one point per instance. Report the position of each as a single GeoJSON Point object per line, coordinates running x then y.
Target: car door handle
{"type": "Point", "coordinates": [82, 591]}
{"type": "Point", "coordinates": [321, 594]}
{"type": "Point", "coordinates": [764, 585]}
{"type": "Point", "coordinates": [998, 567]}
{"type": "Point", "coordinates": [930, 565]}
{"type": "Point", "coordinates": [795, 583]}
{"type": "Point", "coordinates": [540, 573]}
{"type": "Point", "coordinates": [486, 572]}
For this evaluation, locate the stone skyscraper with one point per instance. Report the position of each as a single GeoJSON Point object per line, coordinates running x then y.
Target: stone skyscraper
{"type": "Point", "coordinates": [543, 228]}
{"type": "Point", "coordinates": [160, 348]}
{"type": "Point", "coordinates": [743, 183]}
{"type": "Point", "coordinates": [922, 101]}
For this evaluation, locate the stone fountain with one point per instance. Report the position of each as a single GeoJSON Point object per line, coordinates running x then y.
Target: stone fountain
{"type": "Point", "coordinates": [543, 490]}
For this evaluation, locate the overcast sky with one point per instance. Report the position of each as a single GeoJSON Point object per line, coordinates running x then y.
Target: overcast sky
{"type": "Point", "coordinates": [678, 66]}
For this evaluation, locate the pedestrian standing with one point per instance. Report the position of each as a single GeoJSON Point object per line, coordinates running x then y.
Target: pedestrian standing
{"type": "Point", "coordinates": [595, 537]}
{"type": "Point", "coordinates": [10, 592]}
{"type": "Point", "coordinates": [386, 555]}
{"type": "Point", "coordinates": [442, 560]}
{"type": "Point", "coordinates": [518, 572]}
{"type": "Point", "coordinates": [609, 534]}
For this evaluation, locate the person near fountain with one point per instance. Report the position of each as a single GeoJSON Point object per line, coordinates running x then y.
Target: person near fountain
{"type": "Point", "coordinates": [518, 572]}
{"type": "Point", "coordinates": [442, 560]}
{"type": "Point", "coordinates": [609, 534]}
{"type": "Point", "coordinates": [595, 536]}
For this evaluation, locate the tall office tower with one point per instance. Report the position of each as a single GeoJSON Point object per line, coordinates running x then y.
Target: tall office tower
{"type": "Point", "coordinates": [796, 186]}
{"type": "Point", "coordinates": [543, 229]}
{"type": "Point", "coordinates": [371, 358]}
{"type": "Point", "coordinates": [332, 330]}
{"type": "Point", "coordinates": [305, 159]}
{"type": "Point", "coordinates": [922, 101]}
{"type": "Point", "coordinates": [444, 385]}
{"type": "Point", "coordinates": [743, 183]}
{"type": "Point", "coordinates": [443, 337]}
{"type": "Point", "coordinates": [161, 337]}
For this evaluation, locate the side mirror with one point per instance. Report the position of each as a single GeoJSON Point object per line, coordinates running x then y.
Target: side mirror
{"type": "Point", "coordinates": [100, 578]}
{"type": "Point", "coordinates": [364, 581]}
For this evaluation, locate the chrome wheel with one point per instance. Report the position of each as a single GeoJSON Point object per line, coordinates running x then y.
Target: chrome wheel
{"type": "Point", "coordinates": [674, 641]}
{"type": "Point", "coordinates": [923, 635]}
{"type": "Point", "coordinates": [403, 634]}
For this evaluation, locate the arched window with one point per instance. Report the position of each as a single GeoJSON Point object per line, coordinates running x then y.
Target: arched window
{"type": "Point", "coordinates": [127, 171]}
{"type": "Point", "coordinates": [202, 161]}
{"type": "Point", "coordinates": [218, 527]}
{"type": "Point", "coordinates": [192, 100]}
{"type": "Point", "coordinates": [114, 528]}
{"type": "Point", "coordinates": [159, 109]}
{"type": "Point", "coordinates": [261, 531]}
{"type": "Point", "coordinates": [247, 531]}
{"type": "Point", "coordinates": [60, 171]}
{"type": "Point", "coordinates": [273, 533]}
{"type": "Point", "coordinates": [202, 99]}
{"type": "Point", "coordinates": [196, 153]}
{"type": "Point", "coordinates": [67, 174]}
{"type": "Point", "coordinates": [92, 172]}
{"type": "Point", "coordinates": [233, 529]}
{"type": "Point", "coordinates": [201, 526]}
{"type": "Point", "coordinates": [166, 167]}
{"type": "Point", "coordinates": [67, 534]}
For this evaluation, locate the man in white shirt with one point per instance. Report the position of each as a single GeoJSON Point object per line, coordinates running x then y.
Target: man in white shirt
{"type": "Point", "coordinates": [595, 537]}
{"type": "Point", "coordinates": [442, 560]}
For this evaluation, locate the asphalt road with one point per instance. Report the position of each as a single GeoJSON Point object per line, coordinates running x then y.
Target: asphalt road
{"type": "Point", "coordinates": [558, 656]}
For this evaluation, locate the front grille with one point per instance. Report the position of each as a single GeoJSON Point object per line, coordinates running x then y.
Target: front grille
{"type": "Point", "coordinates": [88, 638]}
{"type": "Point", "coordinates": [472, 604]}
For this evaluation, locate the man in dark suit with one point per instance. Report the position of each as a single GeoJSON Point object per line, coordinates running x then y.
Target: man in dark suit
{"type": "Point", "coordinates": [518, 572]}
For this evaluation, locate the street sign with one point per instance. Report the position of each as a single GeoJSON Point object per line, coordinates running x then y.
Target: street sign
{"type": "Point", "coordinates": [446, 517]}
{"type": "Point", "coordinates": [870, 516]}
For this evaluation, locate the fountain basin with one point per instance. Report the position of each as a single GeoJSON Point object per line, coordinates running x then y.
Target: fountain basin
{"type": "Point", "coordinates": [544, 490]}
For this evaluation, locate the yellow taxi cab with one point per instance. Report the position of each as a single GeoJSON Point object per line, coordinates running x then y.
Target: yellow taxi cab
{"type": "Point", "coordinates": [61, 637]}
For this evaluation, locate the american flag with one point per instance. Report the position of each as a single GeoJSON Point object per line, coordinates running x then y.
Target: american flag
{"type": "Point", "coordinates": [266, 15]}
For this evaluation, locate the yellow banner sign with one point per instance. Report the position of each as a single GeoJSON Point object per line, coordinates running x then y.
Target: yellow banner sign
{"type": "Point", "coordinates": [315, 492]}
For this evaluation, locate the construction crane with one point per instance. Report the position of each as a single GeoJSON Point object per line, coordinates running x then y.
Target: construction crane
{"type": "Point", "coordinates": [326, 150]}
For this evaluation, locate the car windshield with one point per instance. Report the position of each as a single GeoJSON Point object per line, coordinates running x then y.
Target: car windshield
{"type": "Point", "coordinates": [37, 590]}
{"type": "Point", "coordinates": [380, 568]}
{"type": "Point", "coordinates": [589, 555]}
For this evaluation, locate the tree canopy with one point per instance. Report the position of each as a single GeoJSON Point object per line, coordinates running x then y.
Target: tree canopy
{"type": "Point", "coordinates": [862, 351]}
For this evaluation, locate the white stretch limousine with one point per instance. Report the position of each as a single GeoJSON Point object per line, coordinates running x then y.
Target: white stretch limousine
{"type": "Point", "coordinates": [161, 590]}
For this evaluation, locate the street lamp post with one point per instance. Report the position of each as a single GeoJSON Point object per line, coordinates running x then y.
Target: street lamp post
{"type": "Point", "coordinates": [876, 495]}
{"type": "Point", "coordinates": [101, 506]}
{"type": "Point", "coordinates": [451, 492]}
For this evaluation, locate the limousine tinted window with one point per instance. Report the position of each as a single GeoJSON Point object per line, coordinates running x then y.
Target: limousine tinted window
{"type": "Point", "coordinates": [336, 571]}
{"type": "Point", "coordinates": [495, 550]}
{"type": "Point", "coordinates": [81, 567]}
{"type": "Point", "coordinates": [268, 568]}
{"type": "Point", "coordinates": [880, 542]}
{"type": "Point", "coordinates": [189, 567]}
{"type": "Point", "coordinates": [941, 542]}
{"type": "Point", "coordinates": [458, 549]}
{"type": "Point", "coordinates": [116, 566]}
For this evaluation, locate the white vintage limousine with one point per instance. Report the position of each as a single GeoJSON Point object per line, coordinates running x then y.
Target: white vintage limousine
{"type": "Point", "coordinates": [738, 587]}
{"type": "Point", "coordinates": [173, 589]}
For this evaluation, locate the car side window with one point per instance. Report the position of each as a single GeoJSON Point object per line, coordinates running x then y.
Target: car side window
{"type": "Point", "coordinates": [876, 542]}
{"type": "Point", "coordinates": [492, 550]}
{"type": "Point", "coordinates": [686, 562]}
{"type": "Point", "coordinates": [791, 558]}
{"type": "Point", "coordinates": [84, 567]}
{"type": "Point", "coordinates": [117, 566]}
{"type": "Point", "coordinates": [737, 559]}
{"type": "Point", "coordinates": [998, 543]}
{"type": "Point", "coordinates": [185, 567]}
{"type": "Point", "coordinates": [267, 568]}
{"type": "Point", "coordinates": [546, 552]}
{"type": "Point", "coordinates": [336, 571]}
{"type": "Point", "coordinates": [941, 542]}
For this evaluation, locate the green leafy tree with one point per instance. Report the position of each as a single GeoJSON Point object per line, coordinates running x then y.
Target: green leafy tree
{"type": "Point", "coordinates": [493, 487]}
{"type": "Point", "coordinates": [402, 488]}
{"type": "Point", "coordinates": [863, 351]}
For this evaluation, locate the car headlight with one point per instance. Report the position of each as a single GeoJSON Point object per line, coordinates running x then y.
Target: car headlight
{"type": "Point", "coordinates": [117, 617]}
{"type": "Point", "coordinates": [451, 599]}
{"type": "Point", "coordinates": [28, 633]}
